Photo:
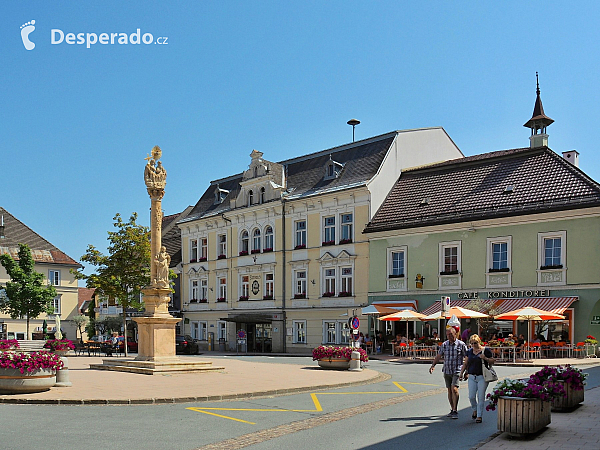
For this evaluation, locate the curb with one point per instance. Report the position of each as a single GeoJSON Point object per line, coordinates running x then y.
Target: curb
{"type": "Point", "coordinates": [378, 378]}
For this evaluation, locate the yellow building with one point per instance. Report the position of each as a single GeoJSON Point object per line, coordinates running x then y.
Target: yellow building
{"type": "Point", "coordinates": [53, 264]}
{"type": "Point", "coordinates": [278, 252]}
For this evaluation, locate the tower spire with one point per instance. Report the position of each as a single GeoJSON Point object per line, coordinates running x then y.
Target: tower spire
{"type": "Point", "coordinates": [539, 121]}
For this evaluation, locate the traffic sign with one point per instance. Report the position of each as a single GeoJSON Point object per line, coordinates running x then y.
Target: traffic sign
{"type": "Point", "coordinates": [355, 323]}
{"type": "Point", "coordinates": [241, 334]}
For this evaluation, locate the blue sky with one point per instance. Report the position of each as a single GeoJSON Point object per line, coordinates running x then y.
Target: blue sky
{"type": "Point", "coordinates": [279, 77]}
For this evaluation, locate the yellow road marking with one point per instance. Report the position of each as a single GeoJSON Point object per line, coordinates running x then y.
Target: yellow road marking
{"type": "Point", "coordinates": [313, 396]}
{"type": "Point", "coordinates": [420, 384]}
{"type": "Point", "coordinates": [219, 415]}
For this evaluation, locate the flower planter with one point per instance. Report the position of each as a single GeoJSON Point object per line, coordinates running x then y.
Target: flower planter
{"type": "Point", "coordinates": [12, 381]}
{"type": "Point", "coordinates": [572, 399]}
{"type": "Point", "coordinates": [334, 363]}
{"type": "Point", "coordinates": [520, 416]}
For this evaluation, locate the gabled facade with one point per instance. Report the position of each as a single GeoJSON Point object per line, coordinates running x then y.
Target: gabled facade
{"type": "Point", "coordinates": [515, 228]}
{"type": "Point", "coordinates": [277, 251]}
{"type": "Point", "coordinates": [53, 264]}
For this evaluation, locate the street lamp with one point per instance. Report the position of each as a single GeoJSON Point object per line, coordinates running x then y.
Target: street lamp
{"type": "Point", "coordinates": [353, 122]}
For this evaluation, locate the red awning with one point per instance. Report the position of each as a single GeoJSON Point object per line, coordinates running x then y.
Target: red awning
{"type": "Point", "coordinates": [436, 307]}
{"type": "Point", "coordinates": [553, 304]}
{"type": "Point", "coordinates": [397, 305]}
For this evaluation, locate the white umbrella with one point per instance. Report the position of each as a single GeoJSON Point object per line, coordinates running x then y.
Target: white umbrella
{"type": "Point", "coordinates": [529, 313]}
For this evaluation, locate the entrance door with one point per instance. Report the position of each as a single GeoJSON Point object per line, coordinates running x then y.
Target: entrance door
{"type": "Point", "coordinates": [259, 337]}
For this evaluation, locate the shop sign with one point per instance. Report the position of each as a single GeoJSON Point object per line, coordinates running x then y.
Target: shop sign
{"type": "Point", "coordinates": [504, 294]}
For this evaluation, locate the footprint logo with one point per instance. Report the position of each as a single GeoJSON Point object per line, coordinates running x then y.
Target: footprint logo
{"type": "Point", "coordinates": [26, 30]}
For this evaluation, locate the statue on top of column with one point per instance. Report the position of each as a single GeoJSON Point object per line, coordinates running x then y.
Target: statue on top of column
{"type": "Point", "coordinates": [155, 174]}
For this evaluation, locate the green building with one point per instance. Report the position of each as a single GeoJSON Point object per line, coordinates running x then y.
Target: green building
{"type": "Point", "coordinates": [517, 227]}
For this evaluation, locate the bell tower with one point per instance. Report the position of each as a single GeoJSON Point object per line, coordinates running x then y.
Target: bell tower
{"type": "Point", "coordinates": [538, 122]}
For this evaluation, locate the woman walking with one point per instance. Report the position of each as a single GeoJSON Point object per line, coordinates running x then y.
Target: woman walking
{"type": "Point", "coordinates": [473, 371]}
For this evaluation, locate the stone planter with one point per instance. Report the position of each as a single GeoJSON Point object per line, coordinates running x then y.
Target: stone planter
{"type": "Point", "coordinates": [12, 381]}
{"type": "Point", "coordinates": [334, 363]}
{"type": "Point", "coordinates": [521, 416]}
{"type": "Point", "coordinates": [572, 399]}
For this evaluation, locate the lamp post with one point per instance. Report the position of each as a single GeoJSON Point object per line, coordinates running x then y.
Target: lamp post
{"type": "Point", "coordinates": [353, 122]}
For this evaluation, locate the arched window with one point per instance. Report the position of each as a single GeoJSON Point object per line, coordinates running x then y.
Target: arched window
{"type": "Point", "coordinates": [245, 248]}
{"type": "Point", "coordinates": [262, 195]}
{"type": "Point", "coordinates": [255, 171]}
{"type": "Point", "coordinates": [250, 197]}
{"type": "Point", "coordinates": [256, 241]}
{"type": "Point", "coordinates": [268, 239]}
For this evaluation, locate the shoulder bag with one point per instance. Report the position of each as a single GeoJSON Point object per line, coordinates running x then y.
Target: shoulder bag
{"type": "Point", "coordinates": [489, 374]}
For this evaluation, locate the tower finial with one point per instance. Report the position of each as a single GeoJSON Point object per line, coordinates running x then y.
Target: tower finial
{"type": "Point", "coordinates": [537, 82]}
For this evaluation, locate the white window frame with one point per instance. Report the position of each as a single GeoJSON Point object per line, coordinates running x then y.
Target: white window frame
{"type": "Point", "coordinates": [329, 280]}
{"type": "Point", "coordinates": [221, 329]}
{"type": "Point", "coordinates": [341, 332]}
{"type": "Point", "coordinates": [256, 240]}
{"type": "Point", "coordinates": [194, 290]}
{"type": "Point", "coordinates": [452, 281]}
{"type": "Point", "coordinates": [300, 283]}
{"type": "Point", "coordinates": [245, 241]}
{"type": "Point", "coordinates": [299, 331]}
{"type": "Point", "coordinates": [204, 248]}
{"type": "Point", "coordinates": [269, 238]}
{"type": "Point", "coordinates": [244, 285]}
{"type": "Point", "coordinates": [327, 330]}
{"type": "Point", "coordinates": [54, 277]}
{"type": "Point", "coordinates": [222, 245]}
{"type": "Point", "coordinates": [345, 226]}
{"type": "Point", "coordinates": [300, 234]}
{"type": "Point", "coordinates": [397, 283]}
{"type": "Point", "coordinates": [56, 304]}
{"type": "Point", "coordinates": [328, 229]}
{"type": "Point", "coordinates": [552, 277]}
{"type": "Point", "coordinates": [222, 287]}
{"type": "Point", "coordinates": [490, 261]}
{"type": "Point", "coordinates": [203, 292]}
{"type": "Point", "coordinates": [199, 330]}
{"type": "Point", "coordinates": [347, 280]}
{"type": "Point", "coordinates": [193, 250]}
{"type": "Point", "coordinates": [270, 284]}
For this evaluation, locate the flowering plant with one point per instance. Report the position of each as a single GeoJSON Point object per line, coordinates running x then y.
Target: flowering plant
{"type": "Point", "coordinates": [243, 253]}
{"type": "Point", "coordinates": [243, 298]}
{"type": "Point", "coordinates": [268, 297]}
{"type": "Point", "coordinates": [59, 344]}
{"type": "Point", "coordinates": [267, 250]}
{"type": "Point", "coordinates": [221, 256]}
{"type": "Point", "coordinates": [345, 241]}
{"type": "Point", "coordinates": [202, 259]}
{"type": "Point", "coordinates": [570, 375]}
{"type": "Point", "coordinates": [345, 294]}
{"type": "Point", "coordinates": [328, 294]}
{"type": "Point", "coordinates": [591, 339]}
{"type": "Point", "coordinates": [302, 295]}
{"type": "Point", "coordinates": [255, 251]}
{"type": "Point", "coordinates": [299, 246]}
{"type": "Point", "coordinates": [329, 352]}
{"type": "Point", "coordinates": [328, 243]}
{"type": "Point", "coordinates": [30, 362]}
{"type": "Point", "coordinates": [221, 299]}
{"type": "Point", "coordinates": [523, 389]}
{"type": "Point", "coordinates": [7, 344]}
{"type": "Point", "coordinates": [494, 343]}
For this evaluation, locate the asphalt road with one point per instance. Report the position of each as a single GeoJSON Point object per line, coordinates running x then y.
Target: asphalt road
{"type": "Point", "coordinates": [408, 410]}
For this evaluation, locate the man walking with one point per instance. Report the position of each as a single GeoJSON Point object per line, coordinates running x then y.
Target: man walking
{"type": "Point", "coordinates": [453, 351]}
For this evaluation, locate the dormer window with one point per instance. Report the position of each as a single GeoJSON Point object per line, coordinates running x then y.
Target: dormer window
{"type": "Point", "coordinates": [332, 169]}
{"type": "Point", "coordinates": [220, 195]}
{"type": "Point", "coordinates": [255, 171]}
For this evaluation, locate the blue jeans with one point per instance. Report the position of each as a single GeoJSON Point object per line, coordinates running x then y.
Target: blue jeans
{"type": "Point", "coordinates": [477, 388]}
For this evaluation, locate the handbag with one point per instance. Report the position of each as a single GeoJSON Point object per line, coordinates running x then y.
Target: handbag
{"type": "Point", "coordinates": [489, 374]}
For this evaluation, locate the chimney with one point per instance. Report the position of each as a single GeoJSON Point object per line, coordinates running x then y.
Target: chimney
{"type": "Point", "coordinates": [572, 156]}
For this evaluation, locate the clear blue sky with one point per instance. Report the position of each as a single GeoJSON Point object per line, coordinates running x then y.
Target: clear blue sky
{"type": "Point", "coordinates": [279, 77]}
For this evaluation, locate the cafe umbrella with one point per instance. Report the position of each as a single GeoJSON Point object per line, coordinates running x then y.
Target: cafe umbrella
{"type": "Point", "coordinates": [406, 315]}
{"type": "Point", "coordinates": [375, 310]}
{"type": "Point", "coordinates": [529, 313]}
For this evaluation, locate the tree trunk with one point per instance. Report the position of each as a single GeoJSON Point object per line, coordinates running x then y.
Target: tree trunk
{"type": "Point", "coordinates": [27, 336]}
{"type": "Point", "coordinates": [124, 333]}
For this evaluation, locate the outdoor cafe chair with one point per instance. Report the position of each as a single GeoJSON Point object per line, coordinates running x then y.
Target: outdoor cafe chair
{"type": "Point", "coordinates": [579, 350]}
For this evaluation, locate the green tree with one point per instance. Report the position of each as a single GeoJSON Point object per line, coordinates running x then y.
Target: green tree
{"type": "Point", "coordinates": [122, 273]}
{"type": "Point", "coordinates": [485, 307]}
{"type": "Point", "coordinates": [80, 322]}
{"type": "Point", "coordinates": [26, 293]}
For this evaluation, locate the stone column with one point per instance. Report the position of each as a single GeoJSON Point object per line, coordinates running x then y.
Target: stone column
{"type": "Point", "coordinates": [157, 327]}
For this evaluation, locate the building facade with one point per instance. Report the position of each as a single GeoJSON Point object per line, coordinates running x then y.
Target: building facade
{"type": "Point", "coordinates": [54, 264]}
{"type": "Point", "coordinates": [514, 228]}
{"type": "Point", "coordinates": [277, 251]}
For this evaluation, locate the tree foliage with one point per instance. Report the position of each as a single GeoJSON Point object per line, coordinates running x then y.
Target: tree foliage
{"type": "Point", "coordinates": [122, 273]}
{"type": "Point", "coordinates": [26, 293]}
{"type": "Point", "coordinates": [485, 307]}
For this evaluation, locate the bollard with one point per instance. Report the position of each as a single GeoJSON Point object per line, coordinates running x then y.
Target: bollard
{"type": "Point", "coordinates": [62, 375]}
{"type": "Point", "coordinates": [355, 362]}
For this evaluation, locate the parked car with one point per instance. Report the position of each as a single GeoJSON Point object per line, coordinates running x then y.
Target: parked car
{"type": "Point", "coordinates": [186, 344]}
{"type": "Point", "coordinates": [132, 346]}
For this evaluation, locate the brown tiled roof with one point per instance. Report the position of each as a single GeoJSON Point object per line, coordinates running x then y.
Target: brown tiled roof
{"type": "Point", "coordinates": [171, 237]}
{"type": "Point", "coordinates": [16, 232]}
{"type": "Point", "coordinates": [475, 188]}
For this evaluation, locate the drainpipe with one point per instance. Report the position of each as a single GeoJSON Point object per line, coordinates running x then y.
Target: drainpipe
{"type": "Point", "coordinates": [283, 279]}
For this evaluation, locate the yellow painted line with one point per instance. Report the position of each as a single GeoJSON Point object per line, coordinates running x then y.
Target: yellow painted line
{"type": "Point", "coordinates": [420, 384]}
{"type": "Point", "coordinates": [219, 415]}
{"type": "Point", "coordinates": [404, 391]}
{"type": "Point", "coordinates": [313, 396]}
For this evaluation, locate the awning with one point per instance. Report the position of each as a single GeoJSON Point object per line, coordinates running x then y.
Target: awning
{"type": "Point", "coordinates": [436, 307]}
{"type": "Point", "coordinates": [397, 304]}
{"type": "Point", "coordinates": [249, 318]}
{"type": "Point", "coordinates": [553, 304]}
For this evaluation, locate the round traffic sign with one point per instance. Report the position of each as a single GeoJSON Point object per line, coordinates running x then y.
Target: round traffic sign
{"type": "Point", "coordinates": [241, 334]}
{"type": "Point", "coordinates": [355, 323]}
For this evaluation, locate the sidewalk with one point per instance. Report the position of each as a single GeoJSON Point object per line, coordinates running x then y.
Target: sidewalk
{"type": "Point", "coordinates": [239, 379]}
{"type": "Point", "coordinates": [568, 430]}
